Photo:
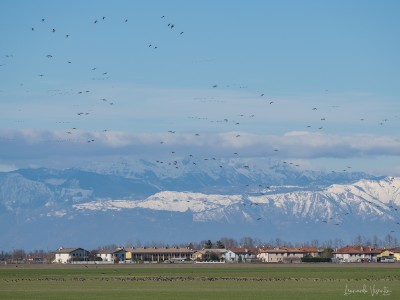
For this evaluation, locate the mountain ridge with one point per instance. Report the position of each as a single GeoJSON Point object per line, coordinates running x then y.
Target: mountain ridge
{"type": "Point", "coordinates": [70, 205]}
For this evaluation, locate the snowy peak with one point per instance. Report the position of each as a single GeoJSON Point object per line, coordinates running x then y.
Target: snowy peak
{"type": "Point", "coordinates": [384, 191]}
{"type": "Point", "coordinates": [168, 201]}
{"type": "Point", "coordinates": [334, 204]}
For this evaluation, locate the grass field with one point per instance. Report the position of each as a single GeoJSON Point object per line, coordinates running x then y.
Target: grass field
{"type": "Point", "coordinates": [321, 281]}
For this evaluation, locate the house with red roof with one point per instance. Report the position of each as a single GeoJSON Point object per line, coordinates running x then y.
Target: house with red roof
{"type": "Point", "coordinates": [356, 254]}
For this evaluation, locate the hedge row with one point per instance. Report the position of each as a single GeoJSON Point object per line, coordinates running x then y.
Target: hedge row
{"type": "Point", "coordinates": [316, 259]}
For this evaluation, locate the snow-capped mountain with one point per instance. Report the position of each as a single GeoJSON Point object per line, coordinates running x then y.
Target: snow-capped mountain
{"type": "Point", "coordinates": [47, 208]}
{"type": "Point", "coordinates": [365, 199]}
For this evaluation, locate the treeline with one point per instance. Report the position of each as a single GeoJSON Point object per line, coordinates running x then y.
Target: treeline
{"type": "Point", "coordinates": [387, 241]}
{"type": "Point", "coordinates": [47, 256]}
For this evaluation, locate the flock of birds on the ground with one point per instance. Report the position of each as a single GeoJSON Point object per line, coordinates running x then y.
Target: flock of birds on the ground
{"type": "Point", "coordinates": [173, 159]}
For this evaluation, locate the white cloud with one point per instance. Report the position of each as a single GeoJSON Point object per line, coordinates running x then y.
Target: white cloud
{"type": "Point", "coordinates": [25, 144]}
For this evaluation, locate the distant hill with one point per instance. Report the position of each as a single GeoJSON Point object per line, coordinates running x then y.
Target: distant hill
{"type": "Point", "coordinates": [47, 208]}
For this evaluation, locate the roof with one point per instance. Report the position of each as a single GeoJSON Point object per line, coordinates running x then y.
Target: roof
{"type": "Point", "coordinates": [62, 250]}
{"type": "Point", "coordinates": [357, 250]}
{"type": "Point", "coordinates": [243, 250]}
{"type": "Point", "coordinates": [310, 249]}
{"type": "Point", "coordinates": [216, 250]}
{"type": "Point", "coordinates": [282, 250]}
{"type": "Point", "coordinates": [110, 251]}
{"type": "Point", "coordinates": [159, 250]}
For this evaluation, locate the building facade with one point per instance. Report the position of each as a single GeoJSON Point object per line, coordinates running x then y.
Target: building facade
{"type": "Point", "coordinates": [280, 255]}
{"type": "Point", "coordinates": [112, 255]}
{"type": "Point", "coordinates": [356, 254]}
{"type": "Point", "coordinates": [155, 254]}
{"type": "Point", "coordinates": [69, 255]}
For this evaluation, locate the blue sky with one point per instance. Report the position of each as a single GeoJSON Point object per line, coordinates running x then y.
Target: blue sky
{"type": "Point", "coordinates": [316, 80]}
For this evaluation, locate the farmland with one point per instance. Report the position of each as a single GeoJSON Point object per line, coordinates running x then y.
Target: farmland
{"type": "Point", "coordinates": [175, 281]}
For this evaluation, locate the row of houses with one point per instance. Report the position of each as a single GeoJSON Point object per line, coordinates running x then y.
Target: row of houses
{"type": "Point", "coordinates": [262, 254]}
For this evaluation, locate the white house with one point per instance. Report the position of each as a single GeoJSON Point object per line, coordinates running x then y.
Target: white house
{"type": "Point", "coordinates": [241, 254]}
{"type": "Point", "coordinates": [111, 255]}
{"type": "Point", "coordinates": [67, 255]}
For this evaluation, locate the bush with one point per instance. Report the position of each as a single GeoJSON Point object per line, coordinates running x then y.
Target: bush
{"type": "Point", "coordinates": [316, 259]}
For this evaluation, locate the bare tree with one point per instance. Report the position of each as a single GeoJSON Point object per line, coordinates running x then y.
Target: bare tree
{"type": "Point", "coordinates": [389, 241]}
{"type": "Point", "coordinates": [257, 242]}
{"type": "Point", "coordinates": [278, 242]}
{"type": "Point", "coordinates": [229, 242]}
{"type": "Point", "coordinates": [246, 242]}
{"type": "Point", "coordinates": [314, 243]}
{"type": "Point", "coordinates": [129, 244]}
{"type": "Point", "coordinates": [18, 255]}
{"type": "Point", "coordinates": [376, 241]}
{"type": "Point", "coordinates": [338, 243]}
{"type": "Point", "coordinates": [327, 244]}
{"type": "Point", "coordinates": [359, 240]}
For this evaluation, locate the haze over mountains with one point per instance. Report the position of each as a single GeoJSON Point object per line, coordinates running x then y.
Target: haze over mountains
{"type": "Point", "coordinates": [140, 200]}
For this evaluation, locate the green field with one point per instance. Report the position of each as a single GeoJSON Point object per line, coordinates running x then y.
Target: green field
{"type": "Point", "coordinates": [235, 281]}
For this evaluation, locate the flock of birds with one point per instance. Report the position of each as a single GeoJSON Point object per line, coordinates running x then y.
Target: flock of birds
{"type": "Point", "coordinates": [172, 158]}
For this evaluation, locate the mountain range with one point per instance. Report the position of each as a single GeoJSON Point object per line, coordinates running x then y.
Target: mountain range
{"type": "Point", "coordinates": [129, 201]}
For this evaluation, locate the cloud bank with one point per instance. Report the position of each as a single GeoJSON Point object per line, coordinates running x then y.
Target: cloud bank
{"type": "Point", "coordinates": [38, 144]}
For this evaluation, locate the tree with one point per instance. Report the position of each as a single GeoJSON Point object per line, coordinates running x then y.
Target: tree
{"type": "Point", "coordinates": [208, 244]}
{"type": "Point", "coordinates": [315, 243]}
{"type": "Point", "coordinates": [359, 240]}
{"type": "Point", "coordinates": [219, 245]}
{"type": "Point", "coordinates": [213, 256]}
{"type": "Point", "coordinates": [92, 256]}
{"type": "Point", "coordinates": [189, 246]}
{"type": "Point", "coordinates": [129, 244]}
{"type": "Point", "coordinates": [247, 242]}
{"type": "Point", "coordinates": [327, 252]}
{"type": "Point", "coordinates": [109, 247]}
{"type": "Point", "coordinates": [229, 242]}
{"type": "Point", "coordinates": [389, 241]}
{"type": "Point", "coordinates": [256, 242]}
{"type": "Point", "coordinates": [18, 255]}
{"type": "Point", "coordinates": [338, 243]}
{"type": "Point", "coordinates": [278, 242]}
